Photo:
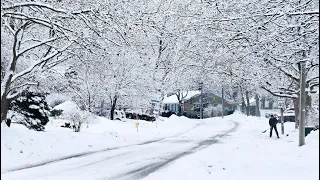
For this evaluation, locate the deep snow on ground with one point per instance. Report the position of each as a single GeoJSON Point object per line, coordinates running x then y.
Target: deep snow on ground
{"type": "Point", "coordinates": [250, 154]}
{"type": "Point", "coordinates": [22, 147]}
{"type": "Point", "coordinates": [131, 162]}
{"type": "Point", "coordinates": [246, 153]}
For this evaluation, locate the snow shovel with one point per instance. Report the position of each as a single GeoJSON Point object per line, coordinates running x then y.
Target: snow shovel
{"type": "Point", "coordinates": [265, 130]}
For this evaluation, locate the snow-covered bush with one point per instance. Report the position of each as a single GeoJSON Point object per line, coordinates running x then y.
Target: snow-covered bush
{"type": "Point", "coordinates": [72, 113]}
{"type": "Point", "coordinates": [31, 109]}
{"type": "Point", "coordinates": [78, 118]}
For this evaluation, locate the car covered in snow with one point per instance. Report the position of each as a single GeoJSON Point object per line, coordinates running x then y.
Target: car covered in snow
{"type": "Point", "coordinates": [268, 114]}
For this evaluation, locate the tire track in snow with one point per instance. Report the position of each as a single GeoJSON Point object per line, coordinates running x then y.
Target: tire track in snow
{"type": "Point", "coordinates": [144, 171]}
{"type": "Point", "coordinates": [83, 154]}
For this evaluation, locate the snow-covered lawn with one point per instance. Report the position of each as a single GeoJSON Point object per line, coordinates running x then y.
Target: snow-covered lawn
{"type": "Point", "coordinates": [22, 147]}
{"type": "Point", "coordinates": [250, 154]}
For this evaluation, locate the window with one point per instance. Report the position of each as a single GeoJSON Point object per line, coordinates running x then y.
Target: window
{"type": "Point", "coordinates": [196, 106]}
{"type": "Point", "coordinates": [166, 107]}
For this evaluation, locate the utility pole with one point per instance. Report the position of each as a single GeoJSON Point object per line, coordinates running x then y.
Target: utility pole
{"type": "Point", "coordinates": [282, 125]}
{"type": "Point", "coordinates": [136, 115]}
{"type": "Point", "coordinates": [302, 107]}
{"type": "Point", "coordinates": [200, 88]}
{"type": "Point", "coordinates": [222, 103]}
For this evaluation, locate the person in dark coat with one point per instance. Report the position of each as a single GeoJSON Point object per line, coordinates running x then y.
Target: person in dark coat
{"type": "Point", "coordinates": [273, 125]}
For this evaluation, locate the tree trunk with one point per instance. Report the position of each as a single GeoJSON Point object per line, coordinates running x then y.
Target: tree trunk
{"type": "Point", "coordinates": [6, 81]}
{"type": "Point", "coordinates": [243, 105]}
{"type": "Point", "coordinates": [222, 102]}
{"type": "Point", "coordinates": [179, 108]}
{"type": "Point", "coordinates": [271, 102]}
{"type": "Point", "coordinates": [79, 126]}
{"type": "Point", "coordinates": [89, 101]}
{"type": "Point", "coordinates": [4, 108]}
{"type": "Point", "coordinates": [101, 107]}
{"type": "Point", "coordinates": [161, 104]}
{"type": "Point", "coordinates": [248, 103]}
{"type": "Point", "coordinates": [113, 107]}
{"type": "Point", "coordinates": [257, 106]}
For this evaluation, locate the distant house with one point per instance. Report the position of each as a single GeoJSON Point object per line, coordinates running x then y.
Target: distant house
{"type": "Point", "coordinates": [171, 103]}
{"type": "Point", "coordinates": [191, 108]}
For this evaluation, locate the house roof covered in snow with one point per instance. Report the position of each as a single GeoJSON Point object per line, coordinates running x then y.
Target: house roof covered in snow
{"type": "Point", "coordinates": [173, 98]}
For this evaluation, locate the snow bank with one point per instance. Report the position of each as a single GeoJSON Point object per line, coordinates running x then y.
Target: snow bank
{"type": "Point", "coordinates": [174, 117]}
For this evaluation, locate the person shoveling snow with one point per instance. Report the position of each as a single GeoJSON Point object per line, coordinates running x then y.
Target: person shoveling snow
{"type": "Point", "coordinates": [273, 125]}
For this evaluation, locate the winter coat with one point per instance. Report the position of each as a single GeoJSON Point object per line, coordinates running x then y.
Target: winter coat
{"type": "Point", "coordinates": [273, 121]}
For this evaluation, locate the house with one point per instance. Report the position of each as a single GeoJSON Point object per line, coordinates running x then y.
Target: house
{"type": "Point", "coordinates": [171, 103]}
{"type": "Point", "coordinates": [191, 105]}
{"type": "Point", "coordinates": [212, 106]}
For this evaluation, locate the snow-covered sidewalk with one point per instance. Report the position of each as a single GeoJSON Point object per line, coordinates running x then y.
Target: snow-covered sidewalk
{"type": "Point", "coordinates": [250, 154]}
{"type": "Point", "coordinates": [21, 147]}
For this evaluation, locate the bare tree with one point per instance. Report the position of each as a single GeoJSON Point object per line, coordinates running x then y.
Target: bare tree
{"type": "Point", "coordinates": [38, 32]}
{"type": "Point", "coordinates": [180, 95]}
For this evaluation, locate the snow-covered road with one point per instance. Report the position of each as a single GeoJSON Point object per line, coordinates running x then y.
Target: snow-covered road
{"type": "Point", "coordinates": [132, 162]}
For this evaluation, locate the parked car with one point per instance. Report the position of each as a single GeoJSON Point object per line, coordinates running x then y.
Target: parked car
{"type": "Point", "coordinates": [268, 115]}
{"type": "Point", "coordinates": [288, 115]}
{"type": "Point", "coordinates": [133, 114]}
